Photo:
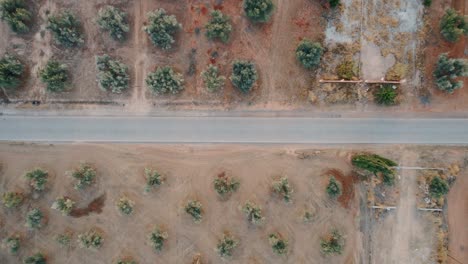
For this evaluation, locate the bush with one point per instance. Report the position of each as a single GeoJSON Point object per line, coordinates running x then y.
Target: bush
{"type": "Point", "coordinates": [333, 188]}
{"type": "Point", "coordinates": [225, 185]}
{"type": "Point", "coordinates": [161, 28]}
{"type": "Point", "coordinates": [194, 209]}
{"type": "Point", "coordinates": [12, 199]}
{"type": "Point", "coordinates": [34, 219]}
{"type": "Point", "coordinates": [258, 10]}
{"type": "Point", "coordinates": [226, 245]}
{"type": "Point", "coordinates": [346, 70]}
{"type": "Point", "coordinates": [37, 258]}
{"type": "Point", "coordinates": [446, 72]}
{"type": "Point", "coordinates": [307, 217]}
{"type": "Point", "coordinates": [427, 3]}
{"type": "Point", "coordinates": [281, 187]}
{"type": "Point", "coordinates": [213, 81]}
{"type": "Point", "coordinates": [219, 26]}
{"type": "Point", "coordinates": [396, 72]}
{"type": "Point", "coordinates": [157, 239]}
{"type": "Point", "coordinates": [112, 74]}
{"type": "Point", "coordinates": [278, 244]}
{"type": "Point", "coordinates": [37, 179]}
{"type": "Point", "coordinates": [332, 244]}
{"type": "Point", "coordinates": [165, 80]}
{"type": "Point", "coordinates": [453, 25]}
{"type": "Point", "coordinates": [334, 3]}
{"type": "Point", "coordinates": [64, 205]}
{"type": "Point", "coordinates": [386, 95]}
{"type": "Point", "coordinates": [65, 28]}
{"type": "Point", "coordinates": [113, 20]}
{"type": "Point", "coordinates": [12, 243]}
{"type": "Point", "coordinates": [126, 261]}
{"type": "Point", "coordinates": [153, 179]}
{"type": "Point", "coordinates": [14, 12]}
{"type": "Point", "coordinates": [63, 239]}
{"type": "Point", "coordinates": [309, 53]}
{"type": "Point", "coordinates": [125, 205]}
{"type": "Point", "coordinates": [253, 213]}
{"type": "Point", "coordinates": [243, 75]}
{"type": "Point", "coordinates": [55, 76]}
{"type": "Point", "coordinates": [374, 163]}
{"type": "Point", "coordinates": [85, 175]}
{"type": "Point", "coordinates": [438, 187]}
{"type": "Point", "coordinates": [11, 71]}
{"type": "Point", "coordinates": [91, 239]}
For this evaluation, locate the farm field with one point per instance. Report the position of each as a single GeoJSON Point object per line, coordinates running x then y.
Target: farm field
{"type": "Point", "coordinates": [369, 235]}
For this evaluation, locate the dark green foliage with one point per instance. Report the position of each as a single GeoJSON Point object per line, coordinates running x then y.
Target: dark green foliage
{"type": "Point", "coordinates": [333, 243]}
{"type": "Point", "coordinates": [37, 258]}
{"type": "Point", "coordinates": [213, 81]}
{"type": "Point", "coordinates": [243, 75]}
{"type": "Point", "coordinates": [165, 80]}
{"type": "Point", "coordinates": [161, 28]}
{"type": "Point", "coordinates": [225, 185]}
{"type": "Point", "coordinates": [258, 10]}
{"type": "Point", "coordinates": [15, 13]}
{"type": "Point", "coordinates": [309, 53]}
{"type": "Point", "coordinates": [65, 28]}
{"type": "Point", "coordinates": [438, 187]}
{"type": "Point", "coordinates": [12, 243]}
{"type": "Point", "coordinates": [389, 179]}
{"type": "Point", "coordinates": [85, 175]}
{"type": "Point", "coordinates": [283, 188]}
{"type": "Point", "coordinates": [37, 179]}
{"type": "Point", "coordinates": [453, 25]}
{"type": "Point", "coordinates": [12, 199]}
{"type": "Point", "coordinates": [194, 209]}
{"type": "Point", "coordinates": [346, 70]}
{"type": "Point", "coordinates": [157, 238]}
{"type": "Point", "coordinates": [153, 179]}
{"type": "Point", "coordinates": [386, 95]}
{"type": "Point", "coordinates": [334, 3]}
{"type": "Point", "coordinates": [427, 3]}
{"type": "Point", "coordinates": [91, 239]}
{"type": "Point", "coordinates": [253, 213]}
{"type": "Point", "coordinates": [34, 219]}
{"type": "Point", "coordinates": [219, 26]}
{"type": "Point", "coordinates": [333, 188]}
{"type": "Point", "coordinates": [55, 76]}
{"type": "Point", "coordinates": [11, 71]}
{"type": "Point", "coordinates": [374, 163]}
{"type": "Point", "coordinates": [113, 20]}
{"type": "Point", "coordinates": [278, 244]}
{"type": "Point", "coordinates": [112, 74]}
{"type": "Point", "coordinates": [226, 245]}
{"type": "Point", "coordinates": [446, 72]}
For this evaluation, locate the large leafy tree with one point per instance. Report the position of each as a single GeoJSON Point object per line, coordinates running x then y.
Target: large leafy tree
{"type": "Point", "coordinates": [11, 71]}
{"type": "Point", "coordinates": [113, 20]}
{"type": "Point", "coordinates": [219, 26]}
{"type": "Point", "coordinates": [15, 13]}
{"type": "Point", "coordinates": [447, 71]}
{"type": "Point", "coordinates": [161, 28]}
{"type": "Point", "coordinates": [243, 75]}
{"type": "Point", "coordinates": [258, 10]}
{"type": "Point", "coordinates": [55, 76]}
{"type": "Point", "coordinates": [112, 74]}
{"type": "Point", "coordinates": [309, 53]}
{"type": "Point", "coordinates": [165, 80]}
{"type": "Point", "coordinates": [453, 25]}
{"type": "Point", "coordinates": [65, 28]}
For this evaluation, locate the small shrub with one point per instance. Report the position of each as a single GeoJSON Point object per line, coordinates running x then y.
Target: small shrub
{"type": "Point", "coordinates": [65, 28]}
{"type": "Point", "coordinates": [253, 213]}
{"type": "Point", "coordinates": [243, 75]}
{"type": "Point", "coordinates": [213, 81]}
{"type": "Point", "coordinates": [112, 74]}
{"type": "Point", "coordinates": [126, 261]}
{"type": "Point", "coordinates": [37, 179]}
{"type": "Point", "coordinates": [283, 188]}
{"type": "Point", "coordinates": [453, 25]}
{"type": "Point", "coordinates": [165, 80]}
{"type": "Point", "coordinates": [446, 72]}
{"type": "Point", "coordinates": [13, 244]}
{"type": "Point", "coordinates": [334, 3]}
{"type": "Point", "coordinates": [91, 239]}
{"type": "Point", "coordinates": [157, 239]}
{"type": "Point", "coordinates": [125, 205]}
{"type": "Point", "coordinates": [113, 20]}
{"type": "Point", "coordinates": [55, 76]}
{"type": "Point", "coordinates": [438, 187]}
{"type": "Point", "coordinates": [397, 72]}
{"type": "Point", "coordinates": [219, 26]}
{"type": "Point", "coordinates": [307, 217]}
{"type": "Point", "coordinates": [258, 10]}
{"type": "Point", "coordinates": [374, 163]}
{"type": "Point", "coordinates": [309, 53]}
{"type": "Point", "coordinates": [346, 70]}
{"type": "Point", "coordinates": [34, 219]}
{"type": "Point", "coordinates": [12, 199]}
{"type": "Point", "coordinates": [386, 95]}
{"type": "Point", "coordinates": [194, 209]}
{"type": "Point", "coordinates": [64, 205]}
{"type": "Point", "coordinates": [37, 258]}
{"type": "Point", "coordinates": [161, 28]}
{"type": "Point", "coordinates": [225, 185]}
{"type": "Point", "coordinates": [332, 244]}
{"type": "Point", "coordinates": [333, 188]}
{"type": "Point", "coordinates": [226, 245]}
{"type": "Point", "coordinates": [15, 13]}
{"type": "Point", "coordinates": [278, 244]}
{"type": "Point", "coordinates": [153, 179]}
{"type": "Point", "coordinates": [11, 71]}
{"type": "Point", "coordinates": [85, 175]}
{"type": "Point", "coordinates": [427, 3]}
{"type": "Point", "coordinates": [64, 239]}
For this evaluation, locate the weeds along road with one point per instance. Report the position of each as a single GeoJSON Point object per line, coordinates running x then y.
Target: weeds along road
{"type": "Point", "coordinates": [232, 130]}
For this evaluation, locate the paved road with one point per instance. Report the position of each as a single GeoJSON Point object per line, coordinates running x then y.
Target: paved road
{"type": "Point", "coordinates": [232, 130]}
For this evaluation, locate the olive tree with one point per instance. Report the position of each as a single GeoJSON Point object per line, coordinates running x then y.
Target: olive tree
{"type": "Point", "coordinates": [38, 258]}
{"type": "Point", "coordinates": [195, 209]}
{"type": "Point", "coordinates": [333, 188]}
{"type": "Point", "coordinates": [13, 243]}
{"type": "Point", "coordinates": [125, 205]}
{"type": "Point", "coordinates": [278, 243]}
{"type": "Point", "coordinates": [219, 26]}
{"type": "Point", "coordinates": [11, 72]}
{"type": "Point", "coordinates": [447, 71]}
{"type": "Point", "coordinates": [113, 20]}
{"type": "Point", "coordinates": [55, 76]}
{"type": "Point", "coordinates": [243, 75]}
{"type": "Point", "coordinates": [226, 245]}
{"type": "Point", "coordinates": [153, 179]}
{"type": "Point", "coordinates": [91, 239]}
{"type": "Point", "coordinates": [453, 25]}
{"type": "Point", "coordinates": [16, 14]}
{"type": "Point", "coordinates": [34, 218]}
{"type": "Point", "coordinates": [161, 28]}
{"type": "Point", "coordinates": [65, 28]}
{"type": "Point", "coordinates": [309, 53]}
{"type": "Point", "coordinates": [112, 74]}
{"type": "Point", "coordinates": [332, 243]}
{"type": "Point", "coordinates": [282, 188]}
{"type": "Point", "coordinates": [253, 212]}
{"type": "Point", "coordinates": [85, 176]}
{"type": "Point", "coordinates": [37, 178]}
{"type": "Point", "coordinates": [12, 199]}
{"type": "Point", "coordinates": [225, 185]}
{"type": "Point", "coordinates": [64, 239]}
{"type": "Point", "coordinates": [157, 238]}
{"type": "Point", "coordinates": [165, 80]}
{"type": "Point", "coordinates": [212, 79]}
{"type": "Point", "coordinates": [63, 205]}
{"type": "Point", "coordinates": [258, 10]}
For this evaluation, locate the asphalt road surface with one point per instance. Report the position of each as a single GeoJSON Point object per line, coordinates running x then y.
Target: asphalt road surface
{"type": "Point", "coordinates": [232, 130]}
